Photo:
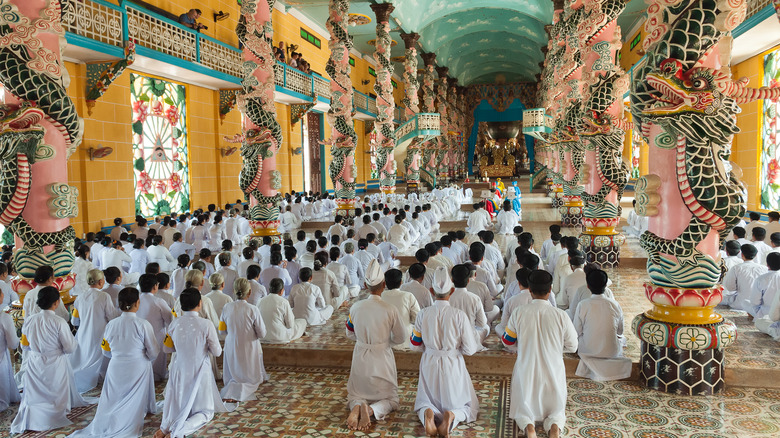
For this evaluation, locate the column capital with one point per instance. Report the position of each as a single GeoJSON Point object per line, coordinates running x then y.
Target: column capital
{"type": "Point", "coordinates": [442, 71]}
{"type": "Point", "coordinates": [410, 39]}
{"type": "Point", "coordinates": [557, 4]}
{"type": "Point", "coordinates": [429, 58]}
{"type": "Point", "coordinates": [382, 11]}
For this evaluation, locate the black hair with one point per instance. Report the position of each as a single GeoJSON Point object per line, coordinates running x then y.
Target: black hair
{"type": "Point", "coordinates": [152, 268]}
{"type": "Point", "coordinates": [460, 275]}
{"type": "Point", "coordinates": [304, 274]}
{"type": "Point", "coordinates": [189, 299]}
{"type": "Point", "coordinates": [539, 282]}
{"type": "Point", "coordinates": [112, 274]}
{"type": "Point", "coordinates": [393, 278]}
{"type": "Point", "coordinates": [522, 275]}
{"type": "Point", "coordinates": [163, 279]}
{"type": "Point", "coordinates": [417, 270]}
{"type": "Point", "coordinates": [422, 255]}
{"type": "Point", "coordinates": [127, 298]}
{"type": "Point", "coordinates": [252, 272]}
{"type": "Point", "coordinates": [147, 282]}
{"type": "Point", "coordinates": [43, 274]}
{"type": "Point", "coordinates": [749, 251]}
{"type": "Point", "coordinates": [334, 253]}
{"type": "Point", "coordinates": [773, 261]}
{"type": "Point", "coordinates": [759, 233]}
{"type": "Point", "coordinates": [597, 281]}
{"type": "Point", "coordinates": [47, 296]}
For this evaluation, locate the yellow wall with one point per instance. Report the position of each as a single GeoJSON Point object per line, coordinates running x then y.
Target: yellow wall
{"type": "Point", "coordinates": [745, 149]}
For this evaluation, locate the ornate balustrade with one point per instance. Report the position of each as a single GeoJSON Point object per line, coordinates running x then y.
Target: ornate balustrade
{"type": "Point", "coordinates": [107, 23]}
{"type": "Point", "coordinates": [423, 125]}
{"type": "Point", "coordinates": [536, 123]}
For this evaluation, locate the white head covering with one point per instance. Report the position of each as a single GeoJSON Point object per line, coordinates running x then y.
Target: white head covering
{"type": "Point", "coordinates": [441, 281]}
{"type": "Point", "coordinates": [374, 273]}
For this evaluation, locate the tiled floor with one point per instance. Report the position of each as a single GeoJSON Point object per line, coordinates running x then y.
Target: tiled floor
{"type": "Point", "coordinates": [310, 403]}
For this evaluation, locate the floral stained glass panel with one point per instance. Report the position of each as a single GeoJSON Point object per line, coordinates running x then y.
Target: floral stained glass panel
{"type": "Point", "coordinates": [160, 166]}
{"type": "Point", "coordinates": [770, 149]}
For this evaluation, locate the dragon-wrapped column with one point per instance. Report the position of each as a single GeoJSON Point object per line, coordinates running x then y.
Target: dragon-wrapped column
{"type": "Point", "coordinates": [429, 106]}
{"type": "Point", "coordinates": [684, 104]}
{"type": "Point", "coordinates": [343, 139]}
{"type": "Point", "coordinates": [602, 131]}
{"type": "Point", "coordinates": [442, 105]}
{"type": "Point", "coordinates": [40, 130]}
{"type": "Point", "coordinates": [262, 135]}
{"type": "Point", "coordinates": [412, 103]}
{"type": "Point", "coordinates": [384, 127]}
{"type": "Point", "coordinates": [454, 145]}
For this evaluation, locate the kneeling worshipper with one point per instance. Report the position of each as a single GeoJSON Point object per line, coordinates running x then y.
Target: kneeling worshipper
{"type": "Point", "coordinates": [372, 389]}
{"type": "Point", "coordinates": [445, 393]}
{"type": "Point", "coordinates": [242, 366]}
{"type": "Point", "coordinates": [468, 302]}
{"type": "Point", "coordinates": [191, 394]}
{"type": "Point", "coordinates": [738, 281]}
{"type": "Point", "coordinates": [49, 386]}
{"type": "Point", "coordinates": [92, 311]}
{"type": "Point", "coordinates": [765, 287]}
{"type": "Point", "coordinates": [159, 315]}
{"type": "Point", "coordinates": [599, 324]}
{"type": "Point", "coordinates": [403, 301]}
{"type": "Point", "coordinates": [539, 378]}
{"type": "Point", "coordinates": [280, 323]}
{"type": "Point", "coordinates": [128, 390]}
{"type": "Point", "coordinates": [9, 392]}
{"type": "Point", "coordinates": [307, 301]}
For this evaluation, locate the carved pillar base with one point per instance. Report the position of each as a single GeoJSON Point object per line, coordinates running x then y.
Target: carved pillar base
{"type": "Point", "coordinates": [63, 284]}
{"type": "Point", "coordinates": [557, 196]}
{"type": "Point", "coordinates": [387, 190]}
{"type": "Point", "coordinates": [571, 211]}
{"type": "Point", "coordinates": [600, 241]}
{"type": "Point", "coordinates": [549, 187]}
{"type": "Point", "coordinates": [686, 359]}
{"type": "Point", "coordinates": [346, 207]}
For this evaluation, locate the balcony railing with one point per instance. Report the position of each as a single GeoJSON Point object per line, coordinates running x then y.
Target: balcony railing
{"type": "Point", "coordinates": [110, 24]}
{"type": "Point", "coordinates": [423, 125]}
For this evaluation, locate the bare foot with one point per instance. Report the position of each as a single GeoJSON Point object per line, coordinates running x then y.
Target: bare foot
{"type": "Point", "coordinates": [530, 431]}
{"type": "Point", "coordinates": [365, 417]}
{"type": "Point", "coordinates": [229, 400]}
{"type": "Point", "coordinates": [555, 432]}
{"type": "Point", "coordinates": [446, 424]}
{"type": "Point", "coordinates": [352, 419]}
{"type": "Point", "coordinates": [159, 434]}
{"type": "Point", "coordinates": [430, 424]}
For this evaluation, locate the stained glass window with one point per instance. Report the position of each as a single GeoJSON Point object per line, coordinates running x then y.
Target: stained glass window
{"type": "Point", "coordinates": [770, 152]}
{"type": "Point", "coordinates": [160, 166]}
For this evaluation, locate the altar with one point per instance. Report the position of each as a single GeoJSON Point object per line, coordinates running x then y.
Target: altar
{"type": "Point", "coordinates": [500, 151]}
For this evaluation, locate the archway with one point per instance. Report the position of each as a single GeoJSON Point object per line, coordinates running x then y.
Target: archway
{"type": "Point", "coordinates": [484, 112]}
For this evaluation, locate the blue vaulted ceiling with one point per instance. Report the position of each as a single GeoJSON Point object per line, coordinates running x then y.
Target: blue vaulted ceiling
{"type": "Point", "coordinates": [479, 40]}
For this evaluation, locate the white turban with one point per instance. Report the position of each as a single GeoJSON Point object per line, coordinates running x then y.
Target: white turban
{"type": "Point", "coordinates": [374, 273]}
{"type": "Point", "coordinates": [442, 284]}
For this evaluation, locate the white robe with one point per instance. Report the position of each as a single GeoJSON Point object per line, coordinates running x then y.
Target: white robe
{"type": "Point", "coordinates": [242, 366]}
{"type": "Point", "coordinates": [400, 237]}
{"type": "Point", "coordinates": [478, 221]}
{"type": "Point", "coordinates": [329, 285]}
{"type": "Point", "coordinates": [161, 255]}
{"type": "Point", "coordinates": [407, 307]}
{"type": "Point", "coordinates": [420, 292]}
{"type": "Point", "coordinates": [158, 314]}
{"type": "Point", "coordinates": [80, 267]}
{"type": "Point", "coordinates": [764, 289]}
{"type": "Point", "coordinates": [738, 283]}
{"type": "Point", "coordinates": [539, 378]}
{"type": "Point", "coordinates": [49, 387]}
{"type": "Point", "coordinates": [444, 334]}
{"type": "Point", "coordinates": [469, 303]}
{"type": "Point", "coordinates": [128, 390]}
{"type": "Point", "coordinates": [92, 311]}
{"type": "Point", "coordinates": [506, 221]}
{"type": "Point", "coordinates": [599, 324]}
{"type": "Point", "coordinates": [191, 395]}
{"type": "Point", "coordinates": [308, 303]}
{"type": "Point", "coordinates": [9, 392]}
{"type": "Point", "coordinates": [280, 323]}
{"type": "Point", "coordinates": [375, 326]}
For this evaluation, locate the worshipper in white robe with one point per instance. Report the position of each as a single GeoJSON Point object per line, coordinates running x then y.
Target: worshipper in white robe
{"type": "Point", "coordinates": [258, 290]}
{"type": "Point", "coordinates": [191, 395]}
{"type": "Point", "coordinates": [242, 366]}
{"type": "Point", "coordinates": [337, 229]}
{"type": "Point", "coordinates": [307, 301]}
{"type": "Point", "coordinates": [114, 255]}
{"type": "Point", "coordinates": [91, 312]}
{"type": "Point", "coordinates": [765, 287]}
{"type": "Point", "coordinates": [542, 334]}
{"type": "Point", "coordinates": [159, 315]}
{"type": "Point", "coordinates": [49, 387]}
{"type": "Point", "coordinates": [547, 245]}
{"type": "Point", "coordinates": [514, 301]}
{"type": "Point", "coordinates": [113, 284]}
{"type": "Point", "coordinates": [738, 282]}
{"type": "Point", "coordinates": [599, 324]}
{"type": "Point", "coordinates": [469, 303]}
{"type": "Point", "coordinates": [405, 302]}
{"type": "Point", "coordinates": [477, 257]}
{"type": "Point", "coordinates": [733, 257]}
{"type": "Point", "coordinates": [481, 290]}
{"type": "Point", "coordinates": [228, 273]}
{"type": "Point", "coordinates": [757, 239]}
{"type": "Point", "coordinates": [281, 325]}
{"type": "Point", "coordinates": [81, 265]}
{"type": "Point", "coordinates": [178, 247]}
{"type": "Point", "coordinates": [217, 294]}
{"type": "Point", "coordinates": [139, 258]}
{"type": "Point", "coordinates": [355, 270]}
{"type": "Point", "coordinates": [44, 276]}
{"type": "Point", "coordinates": [445, 393]}
{"type": "Point", "coordinates": [275, 270]}
{"type": "Point", "coordinates": [9, 392]}
{"type": "Point", "coordinates": [199, 235]}
{"type": "Point", "coordinates": [288, 221]}
{"type": "Point", "coordinates": [372, 389]}
{"type": "Point", "coordinates": [562, 266]}
{"type": "Point", "coordinates": [572, 282]}
{"type": "Point", "coordinates": [325, 279]}
{"type": "Point", "coordinates": [128, 390]}
{"type": "Point", "coordinates": [507, 219]}
{"type": "Point", "coordinates": [583, 293]}
{"type": "Point", "coordinates": [399, 235]}
{"type": "Point", "coordinates": [158, 253]}
{"type": "Point", "coordinates": [479, 220]}
{"type": "Point", "coordinates": [416, 274]}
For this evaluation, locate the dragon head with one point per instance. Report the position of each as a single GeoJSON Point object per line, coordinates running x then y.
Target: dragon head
{"type": "Point", "coordinates": [676, 91]}
{"type": "Point", "coordinates": [20, 130]}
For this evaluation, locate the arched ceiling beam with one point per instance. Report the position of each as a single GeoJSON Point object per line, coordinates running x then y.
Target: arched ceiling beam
{"type": "Point", "coordinates": [491, 40]}
{"type": "Point", "coordinates": [439, 32]}
{"type": "Point", "coordinates": [415, 16]}
{"type": "Point", "coordinates": [476, 57]}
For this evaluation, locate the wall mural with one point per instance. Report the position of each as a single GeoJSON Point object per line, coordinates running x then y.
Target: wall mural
{"type": "Point", "coordinates": [160, 165]}
{"type": "Point", "coordinates": [770, 125]}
